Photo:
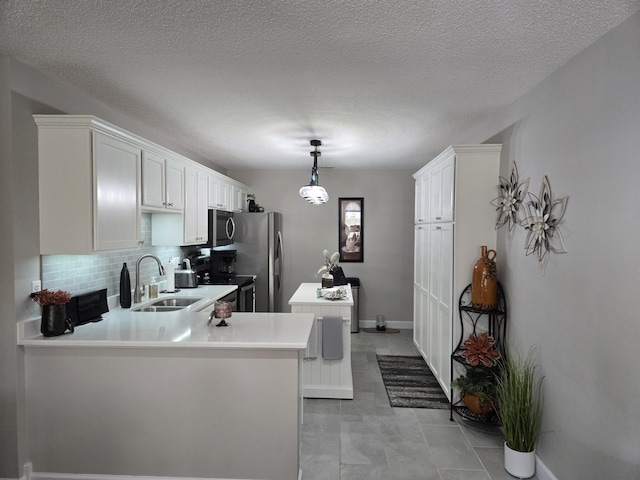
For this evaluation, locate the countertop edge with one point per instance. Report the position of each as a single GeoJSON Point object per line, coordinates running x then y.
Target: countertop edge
{"type": "Point", "coordinates": [56, 342]}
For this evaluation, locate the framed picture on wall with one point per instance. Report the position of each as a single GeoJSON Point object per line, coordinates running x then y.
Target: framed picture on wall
{"type": "Point", "coordinates": [350, 228]}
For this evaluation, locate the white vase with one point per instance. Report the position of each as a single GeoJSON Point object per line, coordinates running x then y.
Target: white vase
{"type": "Point", "coordinates": [519, 464]}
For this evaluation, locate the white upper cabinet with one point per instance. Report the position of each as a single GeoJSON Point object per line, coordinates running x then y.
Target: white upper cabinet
{"type": "Point", "coordinates": [218, 196]}
{"type": "Point", "coordinates": [441, 190]}
{"type": "Point", "coordinates": [202, 218]}
{"type": "Point", "coordinates": [191, 208]}
{"type": "Point", "coordinates": [117, 193]}
{"type": "Point", "coordinates": [238, 198]}
{"type": "Point", "coordinates": [226, 194]}
{"type": "Point", "coordinates": [422, 197]}
{"type": "Point", "coordinates": [95, 179]}
{"type": "Point", "coordinates": [162, 183]}
{"type": "Point", "coordinates": [195, 207]}
{"type": "Point", "coordinates": [190, 228]}
{"type": "Point", "coordinates": [89, 186]}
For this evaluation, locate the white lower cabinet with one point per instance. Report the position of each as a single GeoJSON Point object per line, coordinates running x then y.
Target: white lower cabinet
{"type": "Point", "coordinates": [454, 218]}
{"type": "Point", "coordinates": [89, 186]}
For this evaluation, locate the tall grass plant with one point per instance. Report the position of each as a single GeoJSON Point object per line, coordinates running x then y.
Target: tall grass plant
{"type": "Point", "coordinates": [519, 394]}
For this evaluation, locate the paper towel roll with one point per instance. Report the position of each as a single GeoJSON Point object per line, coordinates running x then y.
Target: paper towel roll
{"type": "Point", "coordinates": [169, 271]}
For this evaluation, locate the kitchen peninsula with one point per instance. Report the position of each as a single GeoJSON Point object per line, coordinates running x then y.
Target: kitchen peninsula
{"type": "Point", "coordinates": [163, 394]}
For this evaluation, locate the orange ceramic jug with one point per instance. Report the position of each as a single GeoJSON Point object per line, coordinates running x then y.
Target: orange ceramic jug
{"type": "Point", "coordinates": [484, 282]}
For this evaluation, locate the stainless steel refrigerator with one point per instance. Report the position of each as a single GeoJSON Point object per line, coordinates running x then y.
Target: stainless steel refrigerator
{"type": "Point", "coordinates": [258, 243]}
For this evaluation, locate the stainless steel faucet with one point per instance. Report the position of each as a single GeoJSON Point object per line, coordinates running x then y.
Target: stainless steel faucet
{"type": "Point", "coordinates": [137, 295]}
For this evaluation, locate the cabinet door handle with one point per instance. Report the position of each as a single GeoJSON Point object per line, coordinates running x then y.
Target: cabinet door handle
{"type": "Point", "coordinates": [140, 242]}
{"type": "Point", "coordinates": [170, 204]}
{"type": "Point", "coordinates": [438, 228]}
{"type": "Point", "coordinates": [438, 218]}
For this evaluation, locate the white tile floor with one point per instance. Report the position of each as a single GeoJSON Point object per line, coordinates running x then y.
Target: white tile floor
{"type": "Point", "coordinates": [366, 439]}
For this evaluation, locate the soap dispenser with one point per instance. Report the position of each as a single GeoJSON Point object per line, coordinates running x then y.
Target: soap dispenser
{"type": "Point", "coordinates": [125, 287]}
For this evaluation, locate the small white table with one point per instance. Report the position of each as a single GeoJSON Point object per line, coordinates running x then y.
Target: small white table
{"type": "Point", "coordinates": [326, 378]}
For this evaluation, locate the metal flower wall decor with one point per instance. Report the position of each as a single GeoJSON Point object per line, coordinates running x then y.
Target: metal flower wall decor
{"type": "Point", "coordinates": [511, 195]}
{"type": "Point", "coordinates": [541, 223]}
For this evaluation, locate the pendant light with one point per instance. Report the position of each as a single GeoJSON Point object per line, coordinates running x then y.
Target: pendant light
{"type": "Point", "coordinates": [314, 193]}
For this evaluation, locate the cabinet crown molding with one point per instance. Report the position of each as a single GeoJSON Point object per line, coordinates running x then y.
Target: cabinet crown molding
{"type": "Point", "coordinates": [481, 149]}
{"type": "Point", "coordinates": [97, 124]}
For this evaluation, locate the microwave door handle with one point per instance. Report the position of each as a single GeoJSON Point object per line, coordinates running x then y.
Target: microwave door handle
{"type": "Point", "coordinates": [230, 228]}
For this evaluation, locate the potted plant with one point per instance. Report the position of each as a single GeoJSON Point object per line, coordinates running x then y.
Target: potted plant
{"type": "Point", "coordinates": [477, 386]}
{"type": "Point", "coordinates": [54, 311]}
{"type": "Point", "coordinates": [519, 396]}
{"type": "Point", "coordinates": [477, 390]}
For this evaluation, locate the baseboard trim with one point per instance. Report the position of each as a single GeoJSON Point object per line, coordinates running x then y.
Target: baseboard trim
{"type": "Point", "coordinates": [542, 472]}
{"type": "Point", "coordinates": [74, 476]}
{"type": "Point", "coordinates": [326, 391]}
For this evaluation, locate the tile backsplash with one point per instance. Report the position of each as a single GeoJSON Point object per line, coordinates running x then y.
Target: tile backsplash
{"type": "Point", "coordinates": [84, 273]}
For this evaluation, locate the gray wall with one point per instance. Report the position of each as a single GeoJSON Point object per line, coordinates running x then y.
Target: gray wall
{"type": "Point", "coordinates": [387, 271]}
{"type": "Point", "coordinates": [9, 359]}
{"type": "Point", "coordinates": [581, 127]}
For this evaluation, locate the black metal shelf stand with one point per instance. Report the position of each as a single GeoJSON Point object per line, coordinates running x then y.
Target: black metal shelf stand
{"type": "Point", "coordinates": [476, 321]}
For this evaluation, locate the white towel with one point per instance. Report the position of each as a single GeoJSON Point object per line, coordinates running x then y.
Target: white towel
{"type": "Point", "coordinates": [312, 345]}
{"type": "Point", "coordinates": [332, 338]}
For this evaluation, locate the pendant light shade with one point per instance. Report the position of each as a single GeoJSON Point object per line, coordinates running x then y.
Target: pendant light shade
{"type": "Point", "coordinates": [314, 193]}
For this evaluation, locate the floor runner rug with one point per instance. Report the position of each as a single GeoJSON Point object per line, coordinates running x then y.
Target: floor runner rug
{"type": "Point", "coordinates": [410, 383]}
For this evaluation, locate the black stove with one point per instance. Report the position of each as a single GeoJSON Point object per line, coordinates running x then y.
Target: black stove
{"type": "Point", "coordinates": [219, 271]}
{"type": "Point", "coordinates": [238, 280]}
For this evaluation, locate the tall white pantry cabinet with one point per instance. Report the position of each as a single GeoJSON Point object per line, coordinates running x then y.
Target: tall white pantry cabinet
{"type": "Point", "coordinates": [454, 218]}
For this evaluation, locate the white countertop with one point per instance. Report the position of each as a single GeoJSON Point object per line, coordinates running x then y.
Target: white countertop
{"type": "Point", "coordinates": [185, 328]}
{"type": "Point", "coordinates": [306, 295]}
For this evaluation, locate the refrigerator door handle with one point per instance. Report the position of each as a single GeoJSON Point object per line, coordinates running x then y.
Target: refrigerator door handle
{"type": "Point", "coordinates": [279, 261]}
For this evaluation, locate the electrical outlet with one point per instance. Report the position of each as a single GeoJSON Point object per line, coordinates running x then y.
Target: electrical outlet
{"type": "Point", "coordinates": [36, 286]}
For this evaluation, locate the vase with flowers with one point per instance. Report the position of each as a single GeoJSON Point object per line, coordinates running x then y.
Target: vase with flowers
{"type": "Point", "coordinates": [54, 312]}
{"type": "Point", "coordinates": [330, 264]}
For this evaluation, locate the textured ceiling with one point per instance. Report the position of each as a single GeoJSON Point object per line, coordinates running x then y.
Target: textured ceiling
{"type": "Point", "coordinates": [247, 83]}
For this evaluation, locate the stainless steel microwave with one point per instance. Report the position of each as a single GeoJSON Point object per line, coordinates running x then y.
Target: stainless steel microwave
{"type": "Point", "coordinates": [221, 228]}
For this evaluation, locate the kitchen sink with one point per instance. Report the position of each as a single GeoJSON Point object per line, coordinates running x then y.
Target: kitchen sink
{"type": "Point", "coordinates": [175, 302]}
{"type": "Point", "coordinates": [156, 309]}
{"type": "Point", "coordinates": [170, 304]}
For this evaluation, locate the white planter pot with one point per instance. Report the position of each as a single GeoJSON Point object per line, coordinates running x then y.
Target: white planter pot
{"type": "Point", "coordinates": [519, 464]}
